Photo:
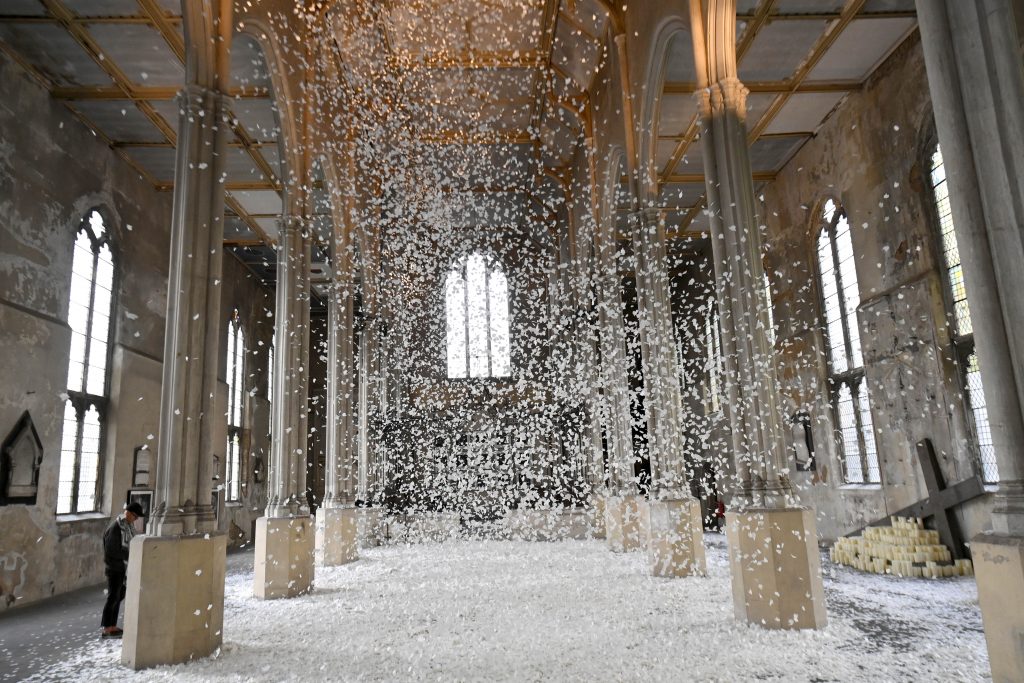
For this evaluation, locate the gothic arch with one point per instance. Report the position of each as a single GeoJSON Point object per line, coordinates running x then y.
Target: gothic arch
{"type": "Point", "coordinates": [669, 29]}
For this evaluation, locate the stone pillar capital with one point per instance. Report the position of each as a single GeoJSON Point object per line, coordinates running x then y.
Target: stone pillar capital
{"type": "Point", "coordinates": [728, 94]}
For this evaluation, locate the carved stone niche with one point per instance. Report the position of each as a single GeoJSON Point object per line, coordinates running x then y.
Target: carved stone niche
{"type": "Point", "coordinates": [20, 457]}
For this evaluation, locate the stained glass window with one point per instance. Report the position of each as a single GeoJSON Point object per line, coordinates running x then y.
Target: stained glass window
{"type": "Point", "coordinates": [960, 320]}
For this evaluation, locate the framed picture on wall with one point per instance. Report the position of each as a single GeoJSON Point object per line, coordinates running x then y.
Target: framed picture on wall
{"type": "Point", "coordinates": [141, 467]}
{"type": "Point", "coordinates": [143, 497]}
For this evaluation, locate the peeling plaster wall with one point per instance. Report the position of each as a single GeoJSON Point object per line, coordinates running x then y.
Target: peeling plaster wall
{"type": "Point", "coordinates": [869, 155]}
{"type": "Point", "coordinates": [52, 172]}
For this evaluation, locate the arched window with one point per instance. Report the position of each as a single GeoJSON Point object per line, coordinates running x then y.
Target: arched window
{"type": "Point", "coordinates": [234, 375]}
{"type": "Point", "coordinates": [476, 302]}
{"type": "Point", "coordinates": [840, 298]}
{"type": "Point", "coordinates": [963, 331]}
{"type": "Point", "coordinates": [89, 316]}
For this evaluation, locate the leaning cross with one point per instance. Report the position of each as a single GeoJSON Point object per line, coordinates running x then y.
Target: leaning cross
{"type": "Point", "coordinates": [941, 501]}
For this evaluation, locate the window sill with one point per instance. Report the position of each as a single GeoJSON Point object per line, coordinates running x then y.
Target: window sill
{"type": "Point", "coordinates": [990, 488]}
{"type": "Point", "coordinates": [864, 488]}
{"type": "Point", "coordinates": [233, 503]}
{"type": "Point", "coordinates": [83, 517]}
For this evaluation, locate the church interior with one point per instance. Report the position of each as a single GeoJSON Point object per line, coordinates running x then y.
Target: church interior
{"type": "Point", "coordinates": [513, 339]}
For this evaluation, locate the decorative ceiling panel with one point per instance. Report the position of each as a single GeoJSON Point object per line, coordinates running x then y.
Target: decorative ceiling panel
{"type": "Point", "coordinates": [158, 162]}
{"type": "Point", "coordinates": [779, 49]}
{"type": "Point", "coordinates": [54, 53]}
{"type": "Point", "coordinates": [119, 120]}
{"type": "Point", "coordinates": [140, 52]}
{"type": "Point", "coordinates": [804, 112]}
{"type": "Point", "coordinates": [859, 48]}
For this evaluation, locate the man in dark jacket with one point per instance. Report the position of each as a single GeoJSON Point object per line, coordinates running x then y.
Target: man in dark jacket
{"type": "Point", "coordinates": [116, 540]}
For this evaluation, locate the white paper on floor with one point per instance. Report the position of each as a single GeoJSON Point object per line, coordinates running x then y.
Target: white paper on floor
{"type": "Point", "coordinates": [566, 611]}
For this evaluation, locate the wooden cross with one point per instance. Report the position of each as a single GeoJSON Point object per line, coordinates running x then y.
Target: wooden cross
{"type": "Point", "coordinates": [941, 501]}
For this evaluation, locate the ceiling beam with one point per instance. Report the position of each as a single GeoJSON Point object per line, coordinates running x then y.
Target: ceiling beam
{"type": "Point", "coordinates": [688, 88]}
{"type": "Point", "coordinates": [155, 13]}
{"type": "Point", "coordinates": [109, 92]}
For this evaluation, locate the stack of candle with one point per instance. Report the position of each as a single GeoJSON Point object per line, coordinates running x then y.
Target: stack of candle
{"type": "Point", "coordinates": [904, 549]}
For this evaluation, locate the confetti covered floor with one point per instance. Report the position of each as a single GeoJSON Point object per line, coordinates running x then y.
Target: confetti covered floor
{"type": "Point", "coordinates": [568, 611]}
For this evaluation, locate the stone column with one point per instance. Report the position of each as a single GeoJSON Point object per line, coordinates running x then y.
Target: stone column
{"type": "Point", "coordinates": [178, 570]}
{"type": "Point", "coordinates": [370, 408]}
{"type": "Point", "coordinates": [621, 523]}
{"type": "Point", "coordinates": [976, 78]}
{"type": "Point", "coordinates": [285, 534]}
{"type": "Point", "coordinates": [672, 518]}
{"type": "Point", "coordinates": [336, 541]}
{"type": "Point", "coordinates": [776, 573]}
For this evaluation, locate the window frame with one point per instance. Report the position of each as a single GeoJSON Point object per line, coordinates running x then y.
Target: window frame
{"type": "Point", "coordinates": [235, 432]}
{"type": "Point", "coordinates": [963, 345]}
{"type": "Point", "coordinates": [461, 265]}
{"type": "Point", "coordinates": [853, 378]}
{"type": "Point", "coordinates": [82, 400]}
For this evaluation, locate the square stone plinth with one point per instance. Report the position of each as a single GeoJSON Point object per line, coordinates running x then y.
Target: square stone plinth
{"type": "Point", "coordinates": [336, 541]}
{"type": "Point", "coordinates": [174, 603]}
{"type": "Point", "coordinates": [369, 527]}
{"type": "Point", "coordinates": [999, 568]}
{"type": "Point", "coordinates": [675, 545]}
{"type": "Point", "coordinates": [776, 568]}
{"type": "Point", "coordinates": [284, 557]}
{"type": "Point", "coordinates": [624, 528]}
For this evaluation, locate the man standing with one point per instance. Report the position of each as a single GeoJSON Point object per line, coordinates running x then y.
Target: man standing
{"type": "Point", "coordinates": [116, 539]}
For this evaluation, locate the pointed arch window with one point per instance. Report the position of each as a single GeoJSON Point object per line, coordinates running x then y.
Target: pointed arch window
{"type": "Point", "coordinates": [840, 295]}
{"type": "Point", "coordinates": [234, 375]}
{"type": "Point", "coordinates": [476, 304]}
{"type": "Point", "coordinates": [960, 320]}
{"type": "Point", "coordinates": [89, 316]}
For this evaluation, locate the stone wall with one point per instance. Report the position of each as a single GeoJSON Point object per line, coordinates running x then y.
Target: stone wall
{"type": "Point", "coordinates": [53, 171]}
{"type": "Point", "coordinates": [869, 156]}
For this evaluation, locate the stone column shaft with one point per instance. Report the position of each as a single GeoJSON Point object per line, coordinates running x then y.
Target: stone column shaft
{"type": "Point", "coordinates": [751, 386]}
{"type": "Point", "coordinates": [658, 351]}
{"type": "Point", "coordinates": [287, 471]}
{"type": "Point", "coordinates": [341, 454]}
{"type": "Point", "coordinates": [191, 341]}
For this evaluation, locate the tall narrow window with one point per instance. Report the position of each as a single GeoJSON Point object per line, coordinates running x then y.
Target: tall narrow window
{"type": "Point", "coordinates": [89, 313]}
{"type": "Point", "coordinates": [235, 370]}
{"type": "Point", "coordinates": [768, 306]}
{"type": "Point", "coordinates": [840, 299]}
{"type": "Point", "coordinates": [963, 331]}
{"type": "Point", "coordinates": [713, 344]}
{"type": "Point", "coordinates": [476, 302]}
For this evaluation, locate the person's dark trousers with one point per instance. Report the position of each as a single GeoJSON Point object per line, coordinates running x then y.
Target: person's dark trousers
{"type": "Point", "coordinates": [115, 594]}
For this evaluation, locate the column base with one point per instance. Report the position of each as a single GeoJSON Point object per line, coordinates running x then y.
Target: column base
{"type": "Point", "coordinates": [369, 527]}
{"type": "Point", "coordinates": [284, 557]}
{"type": "Point", "coordinates": [624, 528]}
{"type": "Point", "coordinates": [675, 545]}
{"type": "Point", "coordinates": [776, 568]}
{"type": "Point", "coordinates": [595, 515]}
{"type": "Point", "coordinates": [336, 541]}
{"type": "Point", "coordinates": [999, 568]}
{"type": "Point", "coordinates": [174, 602]}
